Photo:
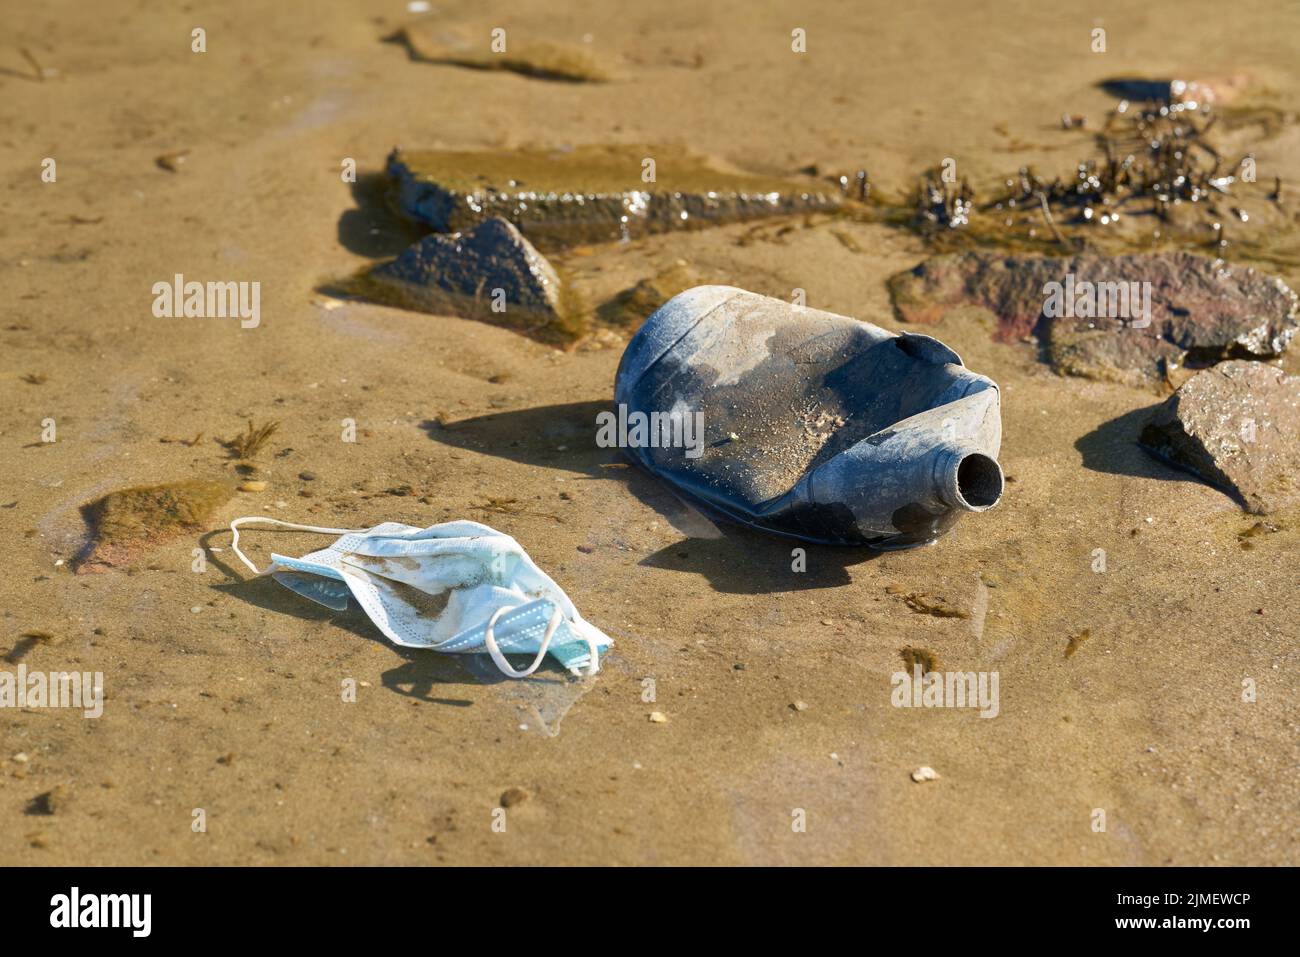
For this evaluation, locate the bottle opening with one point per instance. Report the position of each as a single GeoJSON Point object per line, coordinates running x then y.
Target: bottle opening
{"type": "Point", "coordinates": [979, 481]}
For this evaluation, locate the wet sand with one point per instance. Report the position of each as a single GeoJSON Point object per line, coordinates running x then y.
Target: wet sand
{"type": "Point", "coordinates": [235, 708]}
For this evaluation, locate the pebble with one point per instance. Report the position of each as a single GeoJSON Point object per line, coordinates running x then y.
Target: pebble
{"type": "Point", "coordinates": [925, 773]}
{"type": "Point", "coordinates": [307, 476]}
{"type": "Point", "coordinates": [255, 485]}
{"type": "Point", "coordinates": [512, 796]}
{"type": "Point", "coordinates": [800, 706]}
{"type": "Point", "coordinates": [658, 717]}
{"type": "Point", "coordinates": [51, 802]}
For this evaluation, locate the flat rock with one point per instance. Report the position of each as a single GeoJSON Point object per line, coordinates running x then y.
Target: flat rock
{"type": "Point", "coordinates": [436, 41]}
{"type": "Point", "coordinates": [589, 194]}
{"type": "Point", "coordinates": [460, 274]}
{"type": "Point", "coordinates": [1201, 310]}
{"type": "Point", "coordinates": [129, 521]}
{"type": "Point", "coordinates": [1237, 426]}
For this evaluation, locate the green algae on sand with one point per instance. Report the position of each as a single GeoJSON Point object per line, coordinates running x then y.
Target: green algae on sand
{"type": "Point", "coordinates": [126, 522]}
{"type": "Point", "coordinates": [590, 194]}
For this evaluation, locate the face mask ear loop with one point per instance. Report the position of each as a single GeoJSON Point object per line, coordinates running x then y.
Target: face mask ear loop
{"type": "Point", "coordinates": [234, 530]}
{"type": "Point", "coordinates": [490, 642]}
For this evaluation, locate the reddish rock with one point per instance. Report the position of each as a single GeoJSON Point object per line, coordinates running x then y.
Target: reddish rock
{"type": "Point", "coordinates": [1237, 426]}
{"type": "Point", "coordinates": [1200, 310]}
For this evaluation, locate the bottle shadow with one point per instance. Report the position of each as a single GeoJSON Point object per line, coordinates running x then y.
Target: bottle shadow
{"type": "Point", "coordinates": [734, 558]}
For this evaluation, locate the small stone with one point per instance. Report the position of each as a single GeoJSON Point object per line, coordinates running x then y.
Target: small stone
{"type": "Point", "coordinates": [512, 796]}
{"type": "Point", "coordinates": [307, 476]}
{"type": "Point", "coordinates": [800, 706]}
{"type": "Point", "coordinates": [658, 717]}
{"type": "Point", "coordinates": [51, 802]}
{"type": "Point", "coordinates": [586, 549]}
{"type": "Point", "coordinates": [253, 485]}
{"type": "Point", "coordinates": [924, 773]}
{"type": "Point", "coordinates": [21, 757]}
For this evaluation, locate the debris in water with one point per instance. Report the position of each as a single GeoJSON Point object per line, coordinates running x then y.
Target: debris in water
{"type": "Point", "coordinates": [924, 604]}
{"type": "Point", "coordinates": [589, 194]}
{"type": "Point", "coordinates": [1076, 642]}
{"type": "Point", "coordinates": [847, 433]}
{"type": "Point", "coordinates": [247, 445]}
{"type": "Point", "coordinates": [919, 657]}
{"type": "Point", "coordinates": [1237, 426]}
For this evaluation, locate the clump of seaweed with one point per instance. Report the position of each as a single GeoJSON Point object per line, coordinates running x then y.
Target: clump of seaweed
{"type": "Point", "coordinates": [1161, 174]}
{"type": "Point", "coordinates": [247, 445]}
{"type": "Point", "coordinates": [941, 204]}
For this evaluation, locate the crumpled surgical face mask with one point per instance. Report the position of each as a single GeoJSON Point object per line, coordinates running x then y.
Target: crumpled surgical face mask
{"type": "Point", "coordinates": [458, 587]}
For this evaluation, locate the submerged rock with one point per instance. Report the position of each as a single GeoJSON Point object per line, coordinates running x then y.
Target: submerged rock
{"type": "Point", "coordinates": [634, 305]}
{"type": "Point", "coordinates": [130, 520]}
{"type": "Point", "coordinates": [437, 42]}
{"type": "Point", "coordinates": [590, 193]}
{"type": "Point", "coordinates": [1192, 93]}
{"type": "Point", "coordinates": [490, 272]}
{"type": "Point", "coordinates": [1237, 426]}
{"type": "Point", "coordinates": [1123, 318]}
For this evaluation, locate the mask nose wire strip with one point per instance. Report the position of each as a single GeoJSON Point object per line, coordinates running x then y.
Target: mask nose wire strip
{"type": "Point", "coordinates": [234, 529]}
{"type": "Point", "coordinates": [490, 642]}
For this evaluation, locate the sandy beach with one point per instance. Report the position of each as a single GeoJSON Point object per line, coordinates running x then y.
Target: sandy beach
{"type": "Point", "coordinates": [1121, 690]}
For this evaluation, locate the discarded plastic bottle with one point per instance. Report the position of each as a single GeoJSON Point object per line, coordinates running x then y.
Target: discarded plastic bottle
{"type": "Point", "coordinates": [815, 426]}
